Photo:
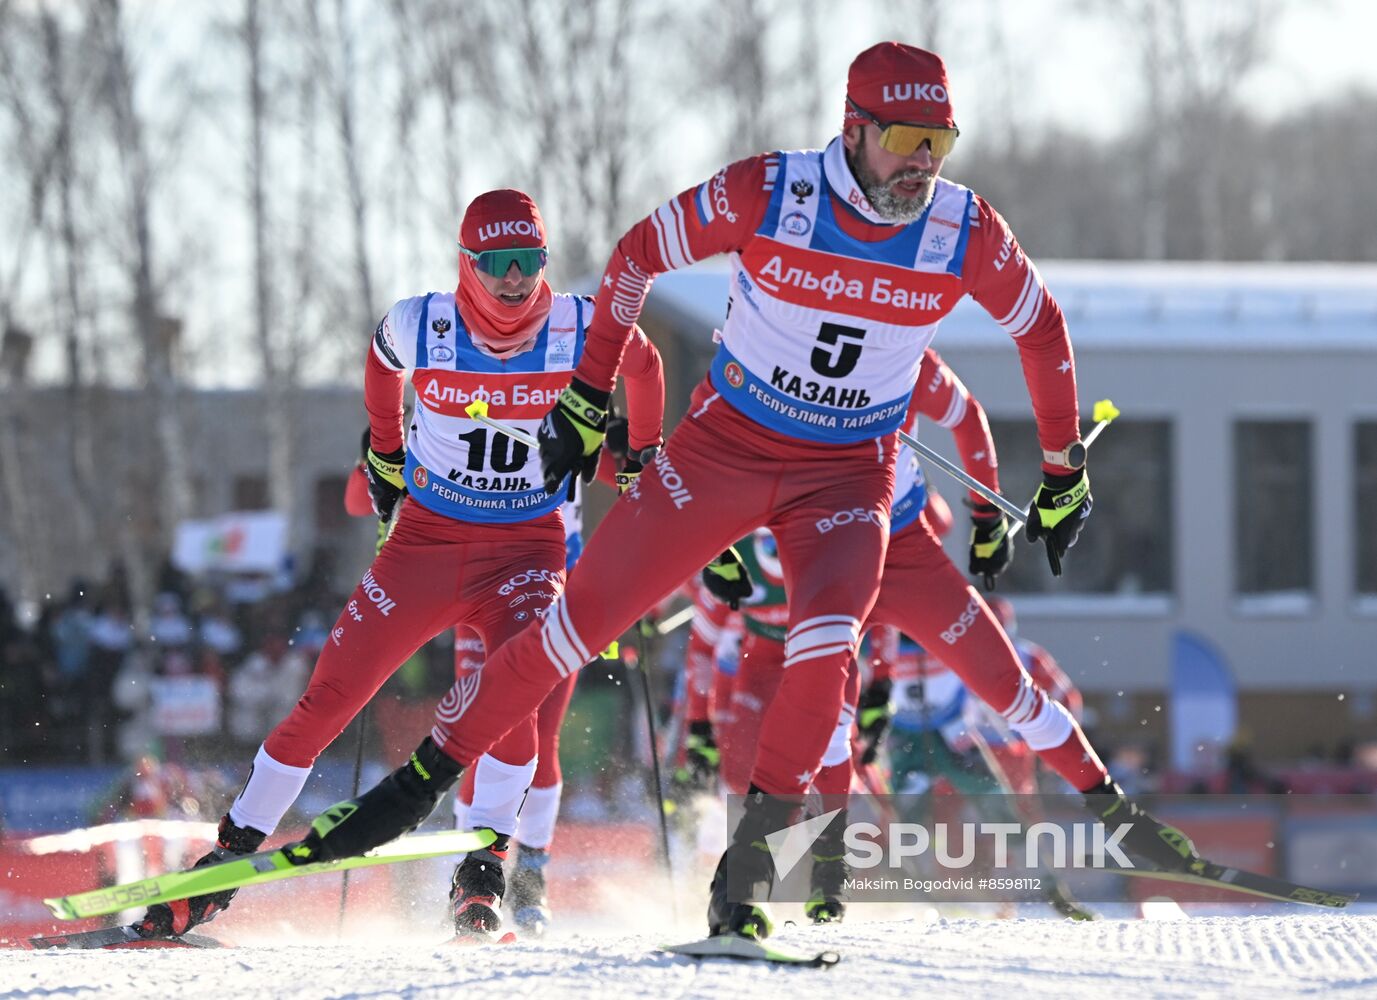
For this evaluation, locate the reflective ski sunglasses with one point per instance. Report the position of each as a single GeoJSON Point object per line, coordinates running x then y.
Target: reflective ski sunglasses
{"type": "Point", "coordinates": [530, 260]}
{"type": "Point", "coordinates": [903, 139]}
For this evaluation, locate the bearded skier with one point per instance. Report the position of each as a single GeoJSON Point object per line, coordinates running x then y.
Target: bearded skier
{"type": "Point", "coordinates": [844, 260]}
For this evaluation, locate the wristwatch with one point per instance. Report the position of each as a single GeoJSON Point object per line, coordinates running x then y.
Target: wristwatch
{"type": "Point", "coordinates": [1072, 456]}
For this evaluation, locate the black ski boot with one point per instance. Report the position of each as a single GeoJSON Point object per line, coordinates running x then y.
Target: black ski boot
{"type": "Point", "coordinates": [394, 806]}
{"type": "Point", "coordinates": [166, 920]}
{"type": "Point", "coordinates": [827, 901]}
{"type": "Point", "coordinates": [475, 893]}
{"type": "Point", "coordinates": [1148, 838]}
{"type": "Point", "coordinates": [530, 907]}
{"type": "Point", "coordinates": [745, 875]}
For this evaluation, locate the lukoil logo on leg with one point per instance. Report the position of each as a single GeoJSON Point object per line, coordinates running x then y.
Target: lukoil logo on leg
{"type": "Point", "coordinates": [672, 481]}
{"type": "Point", "coordinates": [376, 594]}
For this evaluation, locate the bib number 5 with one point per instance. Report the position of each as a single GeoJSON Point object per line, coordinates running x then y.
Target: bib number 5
{"type": "Point", "coordinates": [845, 345]}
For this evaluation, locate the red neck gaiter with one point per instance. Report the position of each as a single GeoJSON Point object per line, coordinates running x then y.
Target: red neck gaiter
{"type": "Point", "coordinates": [495, 220]}
{"type": "Point", "coordinates": [491, 322]}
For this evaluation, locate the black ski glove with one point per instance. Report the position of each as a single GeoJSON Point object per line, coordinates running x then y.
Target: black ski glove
{"type": "Point", "coordinates": [873, 716]}
{"type": "Point", "coordinates": [991, 550]}
{"type": "Point", "coordinates": [385, 482]}
{"type": "Point", "coordinates": [727, 579]}
{"type": "Point", "coordinates": [571, 434]}
{"type": "Point", "coordinates": [1058, 513]}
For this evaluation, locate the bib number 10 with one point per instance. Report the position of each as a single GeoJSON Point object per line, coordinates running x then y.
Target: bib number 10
{"type": "Point", "coordinates": [506, 455]}
{"type": "Point", "coordinates": [837, 359]}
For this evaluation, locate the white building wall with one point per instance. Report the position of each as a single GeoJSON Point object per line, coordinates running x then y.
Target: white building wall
{"type": "Point", "coordinates": [1199, 346]}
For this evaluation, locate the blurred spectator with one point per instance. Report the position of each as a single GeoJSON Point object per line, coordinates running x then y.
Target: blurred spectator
{"type": "Point", "coordinates": [249, 588]}
{"type": "Point", "coordinates": [25, 719]}
{"type": "Point", "coordinates": [132, 696]}
{"type": "Point", "coordinates": [149, 789]}
{"type": "Point", "coordinates": [70, 632]}
{"type": "Point", "coordinates": [311, 632]}
{"type": "Point", "coordinates": [1243, 776]}
{"type": "Point", "coordinates": [1365, 756]}
{"type": "Point", "coordinates": [218, 632]}
{"type": "Point", "coordinates": [112, 636]}
{"type": "Point", "coordinates": [1130, 766]}
{"type": "Point", "coordinates": [152, 788]}
{"type": "Point", "coordinates": [172, 580]}
{"type": "Point", "coordinates": [168, 626]}
{"type": "Point", "coordinates": [264, 689]}
{"type": "Point", "coordinates": [111, 630]}
{"type": "Point", "coordinates": [75, 687]}
{"type": "Point", "coordinates": [9, 623]}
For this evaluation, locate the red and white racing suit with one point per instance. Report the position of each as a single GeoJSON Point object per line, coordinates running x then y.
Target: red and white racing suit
{"type": "Point", "coordinates": [830, 310]}
{"type": "Point", "coordinates": [920, 595]}
{"type": "Point", "coordinates": [927, 598]}
{"type": "Point", "coordinates": [491, 794]}
{"type": "Point", "coordinates": [494, 794]}
{"type": "Point", "coordinates": [478, 541]}
{"type": "Point", "coordinates": [711, 618]}
{"type": "Point", "coordinates": [1016, 758]}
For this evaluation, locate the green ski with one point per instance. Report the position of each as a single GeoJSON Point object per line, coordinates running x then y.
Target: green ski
{"type": "Point", "coordinates": [735, 946]}
{"type": "Point", "coordinates": [252, 869]}
{"type": "Point", "coordinates": [1208, 873]}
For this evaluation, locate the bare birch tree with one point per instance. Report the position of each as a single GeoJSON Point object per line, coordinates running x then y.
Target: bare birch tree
{"type": "Point", "coordinates": [36, 48]}
{"type": "Point", "coordinates": [564, 100]}
{"type": "Point", "coordinates": [331, 44]}
{"type": "Point", "coordinates": [920, 22]}
{"type": "Point", "coordinates": [16, 35]}
{"type": "Point", "coordinates": [170, 501]}
{"type": "Point", "coordinates": [1194, 59]}
{"type": "Point", "coordinates": [763, 61]}
{"type": "Point", "coordinates": [276, 346]}
{"type": "Point", "coordinates": [83, 388]}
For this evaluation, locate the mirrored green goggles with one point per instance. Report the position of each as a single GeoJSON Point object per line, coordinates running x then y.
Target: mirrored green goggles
{"type": "Point", "coordinates": [530, 260]}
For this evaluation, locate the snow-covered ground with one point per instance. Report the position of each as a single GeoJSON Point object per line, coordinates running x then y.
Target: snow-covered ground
{"type": "Point", "coordinates": [1200, 957]}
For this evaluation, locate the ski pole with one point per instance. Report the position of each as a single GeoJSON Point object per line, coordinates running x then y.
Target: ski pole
{"type": "Point", "coordinates": [385, 526]}
{"type": "Point", "coordinates": [362, 724]}
{"type": "Point", "coordinates": [478, 410]}
{"type": "Point", "coordinates": [675, 621]}
{"type": "Point", "coordinates": [1103, 414]}
{"type": "Point", "coordinates": [647, 632]}
{"type": "Point", "coordinates": [970, 482]}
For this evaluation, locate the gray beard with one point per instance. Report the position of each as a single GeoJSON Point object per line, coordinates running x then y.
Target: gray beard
{"type": "Point", "coordinates": [883, 200]}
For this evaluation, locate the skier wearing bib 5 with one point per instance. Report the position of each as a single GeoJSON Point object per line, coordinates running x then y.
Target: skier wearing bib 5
{"type": "Point", "coordinates": [844, 260]}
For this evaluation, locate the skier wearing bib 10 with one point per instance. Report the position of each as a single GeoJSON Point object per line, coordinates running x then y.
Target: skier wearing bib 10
{"type": "Point", "coordinates": [844, 260]}
{"type": "Point", "coordinates": [478, 540]}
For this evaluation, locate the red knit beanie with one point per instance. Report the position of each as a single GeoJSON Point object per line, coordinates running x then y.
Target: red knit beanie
{"type": "Point", "coordinates": [501, 220]}
{"type": "Point", "coordinates": [899, 83]}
